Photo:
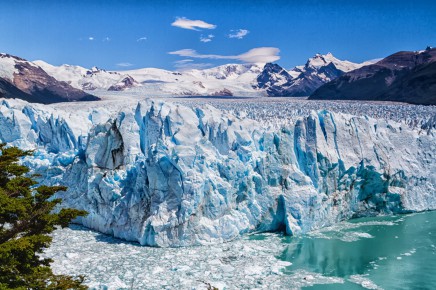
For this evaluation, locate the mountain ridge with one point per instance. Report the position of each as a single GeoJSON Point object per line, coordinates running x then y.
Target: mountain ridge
{"type": "Point", "coordinates": [394, 78]}
{"type": "Point", "coordinates": [304, 80]}
{"type": "Point", "coordinates": [234, 79]}
{"type": "Point", "coordinates": [405, 76]}
{"type": "Point", "coordinates": [22, 79]}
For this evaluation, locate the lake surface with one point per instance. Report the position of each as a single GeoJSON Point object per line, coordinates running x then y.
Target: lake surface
{"type": "Point", "coordinates": [371, 253]}
{"type": "Point", "coordinates": [388, 252]}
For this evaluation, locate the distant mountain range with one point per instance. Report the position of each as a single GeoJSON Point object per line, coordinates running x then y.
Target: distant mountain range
{"type": "Point", "coordinates": [231, 79]}
{"type": "Point", "coordinates": [68, 82]}
{"type": "Point", "coordinates": [404, 76]}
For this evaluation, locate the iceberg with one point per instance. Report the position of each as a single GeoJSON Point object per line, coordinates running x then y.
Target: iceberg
{"type": "Point", "coordinates": [167, 174]}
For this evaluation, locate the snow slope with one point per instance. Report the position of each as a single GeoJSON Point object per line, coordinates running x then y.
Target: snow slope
{"type": "Point", "coordinates": [236, 78]}
{"type": "Point", "coordinates": [166, 174]}
{"type": "Point", "coordinates": [7, 66]}
{"type": "Point", "coordinates": [82, 78]}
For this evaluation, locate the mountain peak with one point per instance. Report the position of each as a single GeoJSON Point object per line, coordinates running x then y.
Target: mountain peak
{"type": "Point", "coordinates": [6, 55]}
{"type": "Point", "coordinates": [95, 69]}
{"type": "Point", "coordinates": [320, 60]}
{"type": "Point", "coordinates": [320, 55]}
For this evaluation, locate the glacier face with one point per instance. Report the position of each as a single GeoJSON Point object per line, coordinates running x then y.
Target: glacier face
{"type": "Point", "coordinates": [166, 174]}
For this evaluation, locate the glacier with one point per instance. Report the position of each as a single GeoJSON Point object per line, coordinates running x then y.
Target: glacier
{"type": "Point", "coordinates": [172, 173]}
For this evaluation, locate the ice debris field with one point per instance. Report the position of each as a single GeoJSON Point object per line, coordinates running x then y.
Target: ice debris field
{"type": "Point", "coordinates": [111, 264]}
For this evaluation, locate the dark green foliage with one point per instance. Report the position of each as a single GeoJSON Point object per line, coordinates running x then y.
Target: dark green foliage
{"type": "Point", "coordinates": [27, 216]}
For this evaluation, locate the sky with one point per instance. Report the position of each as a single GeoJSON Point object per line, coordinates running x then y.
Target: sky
{"type": "Point", "coordinates": [178, 35]}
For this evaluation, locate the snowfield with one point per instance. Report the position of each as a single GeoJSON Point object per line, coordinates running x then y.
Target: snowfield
{"type": "Point", "coordinates": [183, 171]}
{"type": "Point", "coordinates": [235, 78]}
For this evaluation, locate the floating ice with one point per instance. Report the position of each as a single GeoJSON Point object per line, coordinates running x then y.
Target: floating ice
{"type": "Point", "coordinates": [410, 253]}
{"type": "Point", "coordinates": [363, 281]}
{"type": "Point", "coordinates": [303, 278]}
{"type": "Point", "coordinates": [347, 231]}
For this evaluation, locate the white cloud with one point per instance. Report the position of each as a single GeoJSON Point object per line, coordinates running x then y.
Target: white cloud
{"type": "Point", "coordinates": [207, 38]}
{"type": "Point", "coordinates": [239, 34]}
{"type": "Point", "coordinates": [91, 38]}
{"type": "Point", "coordinates": [187, 64]}
{"type": "Point", "coordinates": [106, 39]}
{"type": "Point", "coordinates": [186, 23]}
{"type": "Point", "coordinates": [141, 38]}
{"type": "Point", "coordinates": [124, 64]}
{"type": "Point", "coordinates": [259, 54]}
{"type": "Point", "coordinates": [183, 61]}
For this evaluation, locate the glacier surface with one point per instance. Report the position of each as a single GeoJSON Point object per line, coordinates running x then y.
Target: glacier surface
{"type": "Point", "coordinates": [176, 173]}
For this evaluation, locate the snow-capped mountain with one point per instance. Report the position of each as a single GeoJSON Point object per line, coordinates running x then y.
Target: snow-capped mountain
{"type": "Point", "coordinates": [405, 76]}
{"type": "Point", "coordinates": [320, 60]}
{"type": "Point", "coordinates": [126, 83]}
{"type": "Point", "coordinates": [23, 79]}
{"type": "Point", "coordinates": [304, 80]}
{"type": "Point", "coordinates": [275, 80]}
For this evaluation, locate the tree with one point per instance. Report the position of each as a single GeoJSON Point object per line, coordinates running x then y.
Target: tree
{"type": "Point", "coordinates": [27, 217]}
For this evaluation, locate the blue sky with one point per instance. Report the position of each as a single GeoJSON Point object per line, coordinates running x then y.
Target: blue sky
{"type": "Point", "coordinates": [182, 34]}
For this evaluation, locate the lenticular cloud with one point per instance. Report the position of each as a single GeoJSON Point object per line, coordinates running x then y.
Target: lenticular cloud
{"type": "Point", "coordinates": [255, 55]}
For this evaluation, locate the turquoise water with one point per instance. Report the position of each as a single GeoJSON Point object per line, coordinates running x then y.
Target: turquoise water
{"type": "Point", "coordinates": [388, 252]}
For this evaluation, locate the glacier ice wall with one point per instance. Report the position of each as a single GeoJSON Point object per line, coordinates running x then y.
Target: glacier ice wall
{"type": "Point", "coordinates": [164, 174]}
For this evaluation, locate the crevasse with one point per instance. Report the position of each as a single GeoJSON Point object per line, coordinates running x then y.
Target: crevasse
{"type": "Point", "coordinates": [164, 174]}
